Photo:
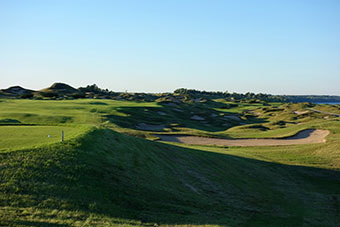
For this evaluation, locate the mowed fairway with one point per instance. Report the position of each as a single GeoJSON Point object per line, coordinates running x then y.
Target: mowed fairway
{"type": "Point", "coordinates": [20, 137]}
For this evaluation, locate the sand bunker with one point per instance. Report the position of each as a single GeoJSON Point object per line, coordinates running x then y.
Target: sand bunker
{"type": "Point", "coordinates": [161, 113]}
{"type": "Point", "coordinates": [235, 118]}
{"type": "Point", "coordinates": [178, 110]}
{"type": "Point", "coordinates": [300, 112]}
{"type": "Point", "coordinates": [304, 137]}
{"type": "Point", "coordinates": [324, 112]}
{"type": "Point", "coordinates": [197, 118]}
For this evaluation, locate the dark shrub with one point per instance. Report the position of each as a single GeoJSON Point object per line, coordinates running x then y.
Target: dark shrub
{"type": "Point", "coordinates": [49, 94]}
{"type": "Point", "coordinates": [26, 96]}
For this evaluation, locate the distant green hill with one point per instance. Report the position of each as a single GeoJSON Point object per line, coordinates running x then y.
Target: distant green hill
{"type": "Point", "coordinates": [60, 88]}
{"type": "Point", "coordinates": [16, 91]}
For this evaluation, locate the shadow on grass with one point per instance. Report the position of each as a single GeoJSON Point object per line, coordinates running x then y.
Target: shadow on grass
{"type": "Point", "coordinates": [123, 177]}
{"type": "Point", "coordinates": [36, 223]}
{"type": "Point", "coordinates": [182, 115]}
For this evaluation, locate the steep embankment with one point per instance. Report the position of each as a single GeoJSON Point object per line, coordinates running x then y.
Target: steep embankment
{"type": "Point", "coordinates": [109, 178]}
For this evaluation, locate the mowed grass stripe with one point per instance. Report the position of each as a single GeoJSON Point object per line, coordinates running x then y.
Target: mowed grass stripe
{"type": "Point", "coordinates": [19, 137]}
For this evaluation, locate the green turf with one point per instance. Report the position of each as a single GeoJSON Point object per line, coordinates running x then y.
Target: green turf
{"type": "Point", "coordinates": [19, 137]}
{"type": "Point", "coordinates": [100, 176]}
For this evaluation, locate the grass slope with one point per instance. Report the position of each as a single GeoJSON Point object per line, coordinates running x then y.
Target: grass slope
{"type": "Point", "coordinates": [100, 177]}
{"type": "Point", "coordinates": [107, 178]}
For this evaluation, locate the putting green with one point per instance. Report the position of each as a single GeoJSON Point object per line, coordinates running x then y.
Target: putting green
{"type": "Point", "coordinates": [18, 137]}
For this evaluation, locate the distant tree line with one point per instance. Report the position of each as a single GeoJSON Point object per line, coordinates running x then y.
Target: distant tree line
{"type": "Point", "coordinates": [234, 95]}
{"type": "Point", "coordinates": [312, 98]}
{"type": "Point", "coordinates": [64, 91]}
{"type": "Point", "coordinates": [96, 90]}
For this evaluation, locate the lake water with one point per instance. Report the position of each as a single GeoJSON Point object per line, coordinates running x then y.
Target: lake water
{"type": "Point", "coordinates": [330, 103]}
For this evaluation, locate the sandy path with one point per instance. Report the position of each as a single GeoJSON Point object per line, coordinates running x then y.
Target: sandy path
{"type": "Point", "coordinates": [303, 137]}
{"type": "Point", "coordinates": [319, 111]}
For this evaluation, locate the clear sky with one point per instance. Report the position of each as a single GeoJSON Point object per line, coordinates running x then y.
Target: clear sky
{"type": "Point", "coordinates": [277, 47]}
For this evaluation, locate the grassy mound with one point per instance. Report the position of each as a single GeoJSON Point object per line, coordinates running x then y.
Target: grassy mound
{"type": "Point", "coordinates": [107, 178]}
{"type": "Point", "coordinates": [60, 88]}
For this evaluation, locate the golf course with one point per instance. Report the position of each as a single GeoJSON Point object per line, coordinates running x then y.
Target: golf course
{"type": "Point", "coordinates": [169, 161]}
{"type": "Point", "coordinates": [172, 113]}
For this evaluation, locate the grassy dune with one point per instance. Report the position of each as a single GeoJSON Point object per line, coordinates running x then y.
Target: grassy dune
{"type": "Point", "coordinates": [100, 176]}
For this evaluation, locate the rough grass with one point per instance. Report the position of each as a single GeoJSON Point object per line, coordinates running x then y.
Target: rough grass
{"type": "Point", "coordinates": [106, 178]}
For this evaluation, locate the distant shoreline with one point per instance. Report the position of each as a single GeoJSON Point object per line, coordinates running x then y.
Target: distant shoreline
{"type": "Point", "coordinates": [329, 103]}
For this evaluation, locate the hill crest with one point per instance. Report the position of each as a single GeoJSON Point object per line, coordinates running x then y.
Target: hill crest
{"type": "Point", "coordinates": [16, 90]}
{"type": "Point", "coordinates": [60, 87]}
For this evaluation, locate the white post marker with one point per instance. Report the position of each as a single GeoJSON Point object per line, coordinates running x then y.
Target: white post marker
{"type": "Point", "coordinates": [62, 136]}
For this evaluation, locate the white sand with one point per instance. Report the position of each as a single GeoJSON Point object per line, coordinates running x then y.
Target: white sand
{"type": "Point", "coordinates": [304, 137]}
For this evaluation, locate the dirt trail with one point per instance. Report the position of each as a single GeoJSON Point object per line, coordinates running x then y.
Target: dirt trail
{"type": "Point", "coordinates": [304, 137]}
{"type": "Point", "coordinates": [324, 112]}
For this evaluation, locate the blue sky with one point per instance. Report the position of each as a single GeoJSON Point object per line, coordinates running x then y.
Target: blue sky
{"type": "Point", "coordinates": [277, 47]}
